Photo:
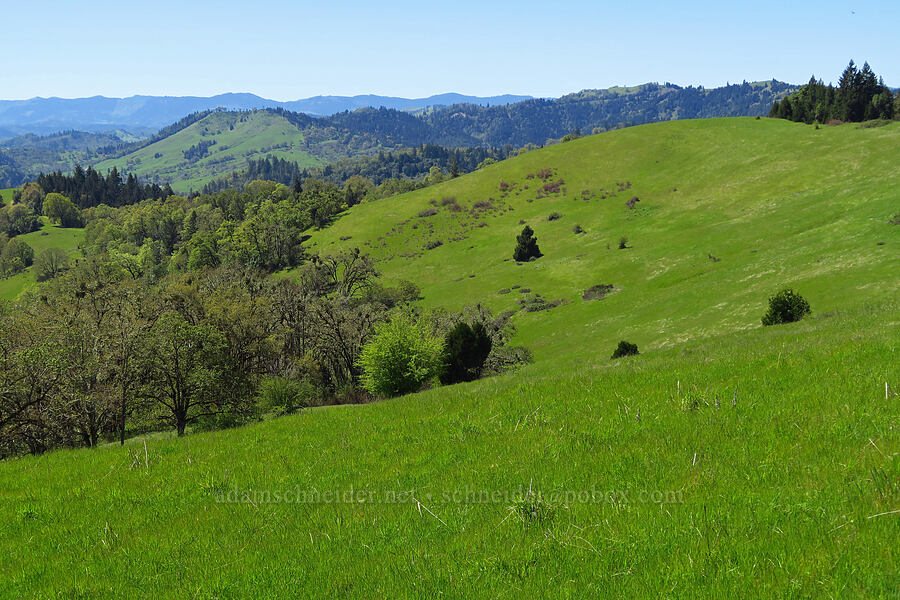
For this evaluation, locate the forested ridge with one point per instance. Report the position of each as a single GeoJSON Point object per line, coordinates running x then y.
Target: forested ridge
{"type": "Point", "coordinates": [534, 121]}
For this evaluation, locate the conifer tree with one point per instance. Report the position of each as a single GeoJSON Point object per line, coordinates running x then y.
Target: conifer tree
{"type": "Point", "coordinates": [526, 246]}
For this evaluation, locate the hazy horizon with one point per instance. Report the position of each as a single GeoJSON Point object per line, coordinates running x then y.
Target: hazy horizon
{"type": "Point", "coordinates": [497, 95]}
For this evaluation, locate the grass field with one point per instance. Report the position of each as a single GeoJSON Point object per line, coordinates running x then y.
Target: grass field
{"type": "Point", "coordinates": [240, 137]}
{"type": "Point", "coordinates": [49, 236]}
{"type": "Point", "coordinates": [6, 195]}
{"type": "Point", "coordinates": [728, 460]}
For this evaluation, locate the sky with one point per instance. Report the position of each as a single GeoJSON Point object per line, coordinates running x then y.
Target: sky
{"type": "Point", "coordinates": [287, 50]}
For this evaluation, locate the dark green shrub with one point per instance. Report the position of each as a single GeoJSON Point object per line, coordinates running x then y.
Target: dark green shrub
{"type": "Point", "coordinates": [526, 246]}
{"type": "Point", "coordinates": [786, 306]}
{"type": "Point", "coordinates": [625, 349]}
{"type": "Point", "coordinates": [465, 351]}
{"type": "Point", "coordinates": [623, 243]}
{"type": "Point", "coordinates": [554, 216]}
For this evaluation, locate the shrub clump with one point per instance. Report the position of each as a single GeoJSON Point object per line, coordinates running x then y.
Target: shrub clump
{"type": "Point", "coordinates": [597, 292]}
{"type": "Point", "coordinates": [401, 357]}
{"type": "Point", "coordinates": [428, 212]}
{"type": "Point", "coordinates": [554, 216]}
{"type": "Point", "coordinates": [526, 246]}
{"type": "Point", "coordinates": [432, 244]}
{"type": "Point", "coordinates": [283, 395]}
{"type": "Point", "coordinates": [577, 229]}
{"type": "Point", "coordinates": [625, 349]}
{"type": "Point", "coordinates": [786, 306]}
{"type": "Point", "coordinates": [536, 303]}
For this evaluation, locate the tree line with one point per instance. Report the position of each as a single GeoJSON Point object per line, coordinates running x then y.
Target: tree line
{"type": "Point", "coordinates": [859, 96]}
{"type": "Point", "coordinates": [88, 188]}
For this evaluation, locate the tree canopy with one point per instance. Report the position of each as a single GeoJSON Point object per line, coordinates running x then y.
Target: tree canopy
{"type": "Point", "coordinates": [859, 96]}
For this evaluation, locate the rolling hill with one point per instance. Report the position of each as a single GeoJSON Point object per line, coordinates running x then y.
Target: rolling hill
{"type": "Point", "coordinates": [219, 143]}
{"type": "Point", "coordinates": [496, 122]}
{"type": "Point", "coordinates": [726, 460]}
{"type": "Point", "coordinates": [233, 138]}
{"type": "Point", "coordinates": [724, 205]}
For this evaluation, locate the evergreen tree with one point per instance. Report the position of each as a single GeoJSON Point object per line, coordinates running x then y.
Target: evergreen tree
{"type": "Point", "coordinates": [454, 167]}
{"type": "Point", "coordinates": [465, 351]}
{"type": "Point", "coordinates": [526, 246]}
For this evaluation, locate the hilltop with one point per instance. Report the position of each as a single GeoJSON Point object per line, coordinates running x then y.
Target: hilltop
{"type": "Point", "coordinates": [727, 457]}
{"type": "Point", "coordinates": [218, 143]}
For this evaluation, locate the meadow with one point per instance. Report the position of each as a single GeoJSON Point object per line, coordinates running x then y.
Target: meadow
{"type": "Point", "coordinates": [726, 460]}
{"type": "Point", "coordinates": [761, 463]}
{"type": "Point", "coordinates": [48, 236]}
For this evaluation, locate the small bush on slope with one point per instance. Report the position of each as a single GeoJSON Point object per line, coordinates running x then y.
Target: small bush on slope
{"type": "Point", "coordinates": [625, 349]}
{"type": "Point", "coordinates": [786, 306]}
{"type": "Point", "coordinates": [401, 357]}
{"type": "Point", "coordinates": [283, 395]}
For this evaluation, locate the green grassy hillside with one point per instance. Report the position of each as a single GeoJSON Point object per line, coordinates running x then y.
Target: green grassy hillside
{"type": "Point", "coordinates": [728, 460]}
{"type": "Point", "coordinates": [776, 204]}
{"type": "Point", "coordinates": [239, 137]}
{"type": "Point", "coordinates": [6, 195]}
{"type": "Point", "coordinates": [49, 236]}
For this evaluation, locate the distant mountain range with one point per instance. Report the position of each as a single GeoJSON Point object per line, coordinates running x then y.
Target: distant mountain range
{"type": "Point", "coordinates": [143, 115]}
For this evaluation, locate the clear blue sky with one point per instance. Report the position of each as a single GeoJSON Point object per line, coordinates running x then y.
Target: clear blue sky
{"type": "Point", "coordinates": [287, 50]}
